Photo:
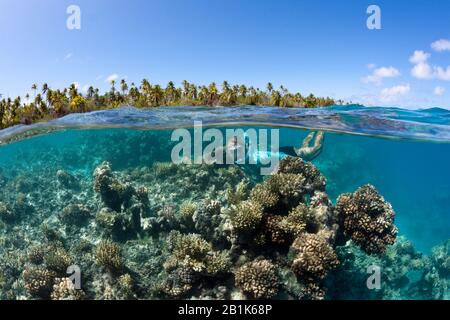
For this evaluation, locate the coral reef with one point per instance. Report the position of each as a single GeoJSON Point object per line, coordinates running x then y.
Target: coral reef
{"type": "Point", "coordinates": [367, 219]}
{"type": "Point", "coordinates": [112, 192]}
{"type": "Point", "coordinates": [247, 216]}
{"type": "Point", "coordinates": [75, 214]}
{"type": "Point", "coordinates": [67, 180]}
{"type": "Point", "coordinates": [151, 229]}
{"type": "Point", "coordinates": [64, 289]}
{"type": "Point", "coordinates": [258, 279]}
{"type": "Point", "coordinates": [58, 260]}
{"type": "Point", "coordinates": [109, 255]}
{"type": "Point", "coordinates": [39, 281]}
{"type": "Point", "coordinates": [190, 251]}
{"type": "Point", "coordinates": [314, 258]}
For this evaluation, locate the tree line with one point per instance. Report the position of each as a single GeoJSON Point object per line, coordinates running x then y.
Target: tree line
{"type": "Point", "coordinates": [46, 103]}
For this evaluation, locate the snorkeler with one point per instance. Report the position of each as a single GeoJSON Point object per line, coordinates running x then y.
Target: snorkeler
{"type": "Point", "coordinates": [239, 151]}
{"type": "Point", "coordinates": [306, 151]}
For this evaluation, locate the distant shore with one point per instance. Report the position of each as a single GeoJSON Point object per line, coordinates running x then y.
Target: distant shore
{"type": "Point", "coordinates": [47, 103]}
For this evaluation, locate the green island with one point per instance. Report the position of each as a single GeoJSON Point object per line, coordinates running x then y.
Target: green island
{"type": "Point", "coordinates": [49, 104]}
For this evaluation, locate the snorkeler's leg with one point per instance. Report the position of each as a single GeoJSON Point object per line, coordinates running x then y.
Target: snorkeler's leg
{"type": "Point", "coordinates": [308, 152]}
{"type": "Point", "coordinates": [318, 144]}
{"type": "Point", "coordinates": [307, 140]}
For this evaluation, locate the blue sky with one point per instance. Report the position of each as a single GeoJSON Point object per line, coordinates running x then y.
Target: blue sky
{"type": "Point", "coordinates": [323, 47]}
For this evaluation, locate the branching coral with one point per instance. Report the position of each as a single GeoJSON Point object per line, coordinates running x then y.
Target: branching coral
{"type": "Point", "coordinates": [284, 229]}
{"type": "Point", "coordinates": [190, 251]}
{"type": "Point", "coordinates": [64, 289]}
{"type": "Point", "coordinates": [36, 254]}
{"type": "Point", "coordinates": [109, 255]}
{"type": "Point", "coordinates": [39, 281]}
{"type": "Point", "coordinates": [191, 259]}
{"type": "Point", "coordinates": [58, 260]}
{"type": "Point", "coordinates": [263, 195]}
{"type": "Point", "coordinates": [314, 258]}
{"type": "Point", "coordinates": [259, 279]}
{"type": "Point", "coordinates": [289, 186]}
{"type": "Point", "coordinates": [367, 219]}
{"type": "Point", "coordinates": [187, 210]}
{"type": "Point", "coordinates": [314, 180]}
{"type": "Point", "coordinates": [246, 216]}
{"type": "Point", "coordinates": [239, 194]}
{"type": "Point", "coordinates": [126, 285]}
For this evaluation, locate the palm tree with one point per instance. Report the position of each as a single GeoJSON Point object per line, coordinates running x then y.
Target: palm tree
{"type": "Point", "coordinates": [113, 86]}
{"type": "Point", "coordinates": [90, 92]}
{"type": "Point", "coordinates": [243, 91]}
{"type": "Point", "coordinates": [186, 88]}
{"type": "Point", "coordinates": [44, 88]}
{"type": "Point", "coordinates": [156, 95]}
{"type": "Point", "coordinates": [170, 92]}
{"type": "Point", "coordinates": [146, 87]}
{"type": "Point", "coordinates": [123, 86]}
{"type": "Point", "coordinates": [73, 91]}
{"type": "Point", "coordinates": [34, 88]}
{"type": "Point", "coordinates": [213, 93]}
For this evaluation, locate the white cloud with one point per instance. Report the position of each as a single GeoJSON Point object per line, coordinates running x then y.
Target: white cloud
{"type": "Point", "coordinates": [441, 45]}
{"type": "Point", "coordinates": [439, 91]}
{"type": "Point", "coordinates": [442, 73]}
{"type": "Point", "coordinates": [390, 94]}
{"type": "Point", "coordinates": [419, 56]}
{"type": "Point", "coordinates": [422, 70]}
{"type": "Point", "coordinates": [76, 84]}
{"type": "Point", "coordinates": [380, 73]}
{"type": "Point", "coordinates": [112, 77]}
{"type": "Point", "coordinates": [371, 66]}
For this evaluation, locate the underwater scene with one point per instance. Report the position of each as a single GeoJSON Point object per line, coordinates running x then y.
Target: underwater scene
{"type": "Point", "coordinates": [97, 196]}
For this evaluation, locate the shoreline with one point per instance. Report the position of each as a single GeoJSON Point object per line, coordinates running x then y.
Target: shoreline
{"type": "Point", "coordinates": [51, 104]}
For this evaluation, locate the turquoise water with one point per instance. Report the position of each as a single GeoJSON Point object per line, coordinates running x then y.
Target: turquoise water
{"type": "Point", "coordinates": [413, 175]}
{"type": "Point", "coordinates": [404, 154]}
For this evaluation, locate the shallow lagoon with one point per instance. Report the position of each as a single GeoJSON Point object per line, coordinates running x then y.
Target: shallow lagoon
{"type": "Point", "coordinates": [413, 175]}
